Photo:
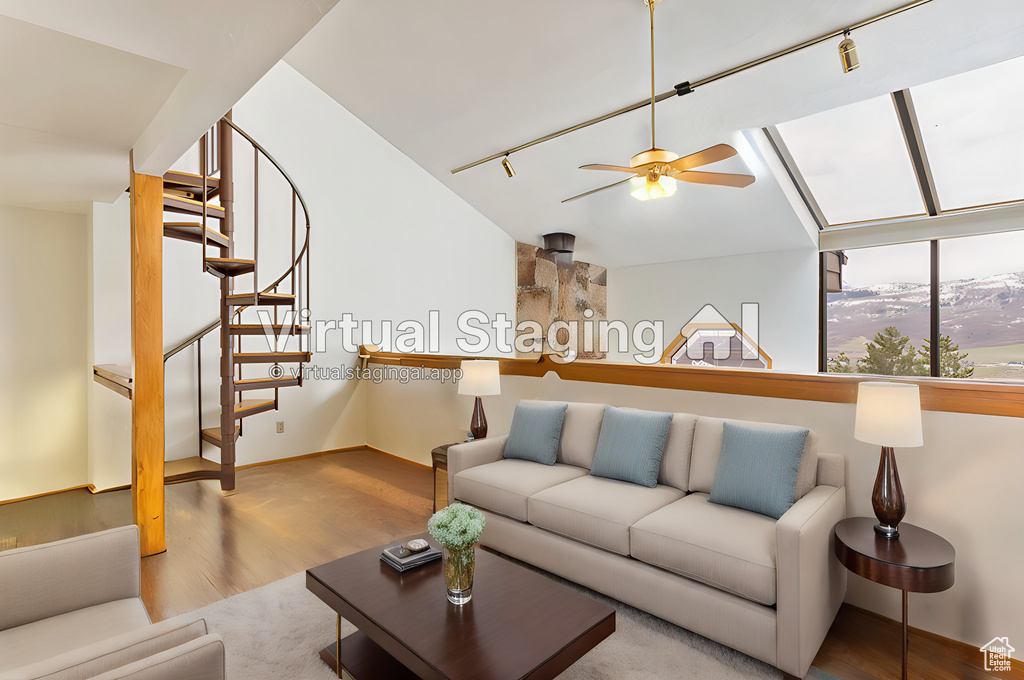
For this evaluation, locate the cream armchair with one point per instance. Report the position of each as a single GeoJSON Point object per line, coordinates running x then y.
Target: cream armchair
{"type": "Point", "coordinates": [72, 610]}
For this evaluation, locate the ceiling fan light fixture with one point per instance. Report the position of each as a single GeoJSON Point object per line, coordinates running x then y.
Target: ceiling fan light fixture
{"type": "Point", "coordinates": [647, 189]}
{"type": "Point", "coordinates": [507, 164]}
{"type": "Point", "coordinates": [848, 53]}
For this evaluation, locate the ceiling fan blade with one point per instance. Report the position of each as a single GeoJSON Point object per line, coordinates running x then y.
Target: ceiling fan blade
{"type": "Point", "coordinates": [713, 154]}
{"type": "Point", "coordinates": [719, 178]}
{"type": "Point", "coordinates": [594, 191]}
{"type": "Point", "coordinates": [616, 168]}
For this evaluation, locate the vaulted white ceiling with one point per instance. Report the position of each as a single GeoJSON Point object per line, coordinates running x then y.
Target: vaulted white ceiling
{"type": "Point", "coordinates": [450, 82]}
{"type": "Point", "coordinates": [85, 82]}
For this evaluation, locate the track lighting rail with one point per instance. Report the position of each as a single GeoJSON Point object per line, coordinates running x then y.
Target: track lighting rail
{"type": "Point", "coordinates": [688, 87]}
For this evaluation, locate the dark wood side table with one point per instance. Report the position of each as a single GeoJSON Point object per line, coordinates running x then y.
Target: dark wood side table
{"type": "Point", "coordinates": [439, 461]}
{"type": "Point", "coordinates": [918, 561]}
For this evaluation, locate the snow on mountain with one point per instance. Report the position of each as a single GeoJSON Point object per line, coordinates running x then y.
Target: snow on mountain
{"type": "Point", "coordinates": [981, 312]}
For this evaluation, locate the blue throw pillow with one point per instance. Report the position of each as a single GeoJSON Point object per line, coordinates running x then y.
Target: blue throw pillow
{"type": "Point", "coordinates": [535, 433]}
{"type": "Point", "coordinates": [757, 469]}
{"type": "Point", "coordinates": [631, 445]}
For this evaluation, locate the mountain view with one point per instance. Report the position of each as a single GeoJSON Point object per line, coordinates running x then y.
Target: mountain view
{"type": "Point", "coordinates": [984, 316]}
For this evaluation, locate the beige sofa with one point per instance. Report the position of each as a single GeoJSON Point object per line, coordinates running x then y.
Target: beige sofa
{"type": "Point", "coordinates": [768, 588]}
{"type": "Point", "coordinates": [72, 610]}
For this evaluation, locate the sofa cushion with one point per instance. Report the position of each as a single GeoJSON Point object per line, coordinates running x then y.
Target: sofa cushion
{"type": "Point", "coordinates": [535, 432]}
{"type": "Point", "coordinates": [757, 469]}
{"type": "Point", "coordinates": [91, 660]}
{"type": "Point", "coordinates": [675, 463]}
{"type": "Point", "coordinates": [597, 511]}
{"type": "Point", "coordinates": [580, 431]}
{"type": "Point", "coordinates": [707, 447]}
{"type": "Point", "coordinates": [631, 445]}
{"type": "Point", "coordinates": [31, 642]}
{"type": "Point", "coordinates": [504, 486]}
{"type": "Point", "coordinates": [727, 548]}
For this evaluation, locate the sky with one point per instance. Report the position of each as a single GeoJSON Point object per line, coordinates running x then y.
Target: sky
{"type": "Point", "coordinates": [969, 257]}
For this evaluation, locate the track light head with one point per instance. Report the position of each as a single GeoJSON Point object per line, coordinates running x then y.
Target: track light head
{"type": "Point", "coordinates": [848, 53]}
{"type": "Point", "coordinates": [507, 164]}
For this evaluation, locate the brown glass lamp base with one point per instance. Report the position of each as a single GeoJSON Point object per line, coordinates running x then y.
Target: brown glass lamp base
{"type": "Point", "coordinates": [478, 426]}
{"type": "Point", "coordinates": [887, 497]}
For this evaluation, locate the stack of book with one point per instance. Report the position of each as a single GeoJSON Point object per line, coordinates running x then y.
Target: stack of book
{"type": "Point", "coordinates": [402, 560]}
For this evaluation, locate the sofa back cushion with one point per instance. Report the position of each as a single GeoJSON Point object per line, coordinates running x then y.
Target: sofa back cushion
{"type": "Point", "coordinates": [40, 581]}
{"type": "Point", "coordinates": [631, 445]}
{"type": "Point", "coordinates": [535, 432]}
{"type": "Point", "coordinates": [757, 469]}
{"type": "Point", "coordinates": [580, 431]}
{"type": "Point", "coordinates": [675, 463]}
{"type": "Point", "coordinates": [707, 447]}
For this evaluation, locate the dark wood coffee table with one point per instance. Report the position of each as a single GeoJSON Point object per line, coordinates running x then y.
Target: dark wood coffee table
{"type": "Point", "coordinates": [519, 624]}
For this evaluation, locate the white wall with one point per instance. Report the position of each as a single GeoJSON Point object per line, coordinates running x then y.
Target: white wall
{"type": "Point", "coordinates": [43, 381]}
{"type": "Point", "coordinates": [388, 242]}
{"type": "Point", "coordinates": [783, 283]}
{"type": "Point", "coordinates": [109, 340]}
{"type": "Point", "coordinates": [963, 484]}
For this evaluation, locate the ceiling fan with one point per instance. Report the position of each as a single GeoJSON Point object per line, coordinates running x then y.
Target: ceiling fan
{"type": "Point", "coordinates": [655, 171]}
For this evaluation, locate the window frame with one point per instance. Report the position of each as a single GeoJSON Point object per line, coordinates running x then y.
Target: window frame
{"type": "Point", "coordinates": [910, 126]}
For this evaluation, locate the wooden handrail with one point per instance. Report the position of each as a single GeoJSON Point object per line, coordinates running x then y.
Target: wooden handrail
{"type": "Point", "coordinates": [192, 339]}
{"type": "Point", "coordinates": [937, 394]}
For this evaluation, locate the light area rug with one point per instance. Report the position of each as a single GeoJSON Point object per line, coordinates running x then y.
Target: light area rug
{"type": "Point", "coordinates": [276, 632]}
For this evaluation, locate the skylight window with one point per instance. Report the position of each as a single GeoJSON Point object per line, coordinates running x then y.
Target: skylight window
{"type": "Point", "coordinates": [973, 132]}
{"type": "Point", "coordinates": [854, 160]}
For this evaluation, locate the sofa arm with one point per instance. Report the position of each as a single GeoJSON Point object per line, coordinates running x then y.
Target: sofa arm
{"type": "Point", "coordinates": [41, 581]}
{"type": "Point", "coordinates": [113, 652]}
{"type": "Point", "coordinates": [199, 659]}
{"type": "Point", "coordinates": [810, 580]}
{"type": "Point", "coordinates": [471, 454]}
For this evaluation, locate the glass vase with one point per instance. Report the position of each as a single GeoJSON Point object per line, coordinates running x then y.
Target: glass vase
{"type": "Point", "coordinates": [459, 566]}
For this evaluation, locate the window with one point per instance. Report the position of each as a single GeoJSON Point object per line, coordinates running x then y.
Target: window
{"type": "Point", "coordinates": [956, 140]}
{"type": "Point", "coordinates": [855, 162]}
{"type": "Point", "coordinates": [973, 132]}
{"type": "Point", "coordinates": [981, 308]}
{"type": "Point", "coordinates": [880, 320]}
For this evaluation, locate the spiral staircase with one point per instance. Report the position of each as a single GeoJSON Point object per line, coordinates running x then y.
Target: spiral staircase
{"type": "Point", "coordinates": [205, 204]}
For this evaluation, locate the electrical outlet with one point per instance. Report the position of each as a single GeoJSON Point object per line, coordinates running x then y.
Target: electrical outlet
{"type": "Point", "coordinates": [280, 427]}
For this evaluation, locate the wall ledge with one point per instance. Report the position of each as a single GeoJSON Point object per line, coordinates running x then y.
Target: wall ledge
{"type": "Point", "coordinates": [937, 394]}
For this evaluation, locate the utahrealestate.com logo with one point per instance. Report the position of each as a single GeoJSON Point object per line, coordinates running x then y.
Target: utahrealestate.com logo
{"type": "Point", "coordinates": [997, 654]}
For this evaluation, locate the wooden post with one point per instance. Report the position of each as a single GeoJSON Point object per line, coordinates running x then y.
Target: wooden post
{"type": "Point", "coordinates": [148, 362]}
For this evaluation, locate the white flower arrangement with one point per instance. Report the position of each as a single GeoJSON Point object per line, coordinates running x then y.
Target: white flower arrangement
{"type": "Point", "coordinates": [456, 527]}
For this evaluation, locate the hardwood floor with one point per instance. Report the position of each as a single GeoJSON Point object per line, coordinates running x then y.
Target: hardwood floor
{"type": "Point", "coordinates": [285, 518]}
{"type": "Point", "coordinates": [291, 516]}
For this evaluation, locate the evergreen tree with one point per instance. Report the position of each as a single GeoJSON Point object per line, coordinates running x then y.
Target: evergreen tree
{"type": "Point", "coordinates": [891, 354]}
{"type": "Point", "coordinates": [841, 364]}
{"type": "Point", "coordinates": [952, 364]}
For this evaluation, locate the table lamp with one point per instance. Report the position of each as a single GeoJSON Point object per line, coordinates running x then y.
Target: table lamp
{"type": "Point", "coordinates": [479, 379]}
{"type": "Point", "coordinates": [888, 414]}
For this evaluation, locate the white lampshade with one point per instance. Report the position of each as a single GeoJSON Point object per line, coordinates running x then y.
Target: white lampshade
{"type": "Point", "coordinates": [480, 378]}
{"type": "Point", "coordinates": [888, 414]}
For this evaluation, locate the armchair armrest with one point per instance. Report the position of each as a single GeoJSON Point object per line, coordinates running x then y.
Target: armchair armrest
{"type": "Point", "coordinates": [111, 653]}
{"type": "Point", "coordinates": [471, 454]}
{"type": "Point", "coordinates": [41, 581]}
{"type": "Point", "coordinates": [810, 580]}
{"type": "Point", "coordinates": [199, 659]}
